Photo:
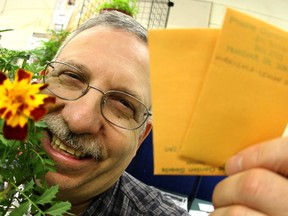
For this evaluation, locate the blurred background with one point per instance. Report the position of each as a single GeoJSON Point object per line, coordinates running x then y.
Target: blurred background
{"type": "Point", "coordinates": [33, 21]}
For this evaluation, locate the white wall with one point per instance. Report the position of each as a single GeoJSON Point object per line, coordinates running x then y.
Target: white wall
{"type": "Point", "coordinates": [28, 16]}
{"type": "Point", "coordinates": [189, 13]}
{"type": "Point", "coordinates": [203, 13]}
{"type": "Point", "coordinates": [25, 17]}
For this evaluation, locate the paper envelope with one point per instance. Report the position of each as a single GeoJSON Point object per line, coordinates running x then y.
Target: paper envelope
{"type": "Point", "coordinates": [179, 61]}
{"type": "Point", "coordinates": [244, 98]}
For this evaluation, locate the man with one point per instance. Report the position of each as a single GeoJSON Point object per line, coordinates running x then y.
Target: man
{"type": "Point", "coordinates": [102, 114]}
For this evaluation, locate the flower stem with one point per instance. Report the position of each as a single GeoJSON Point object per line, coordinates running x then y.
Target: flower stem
{"type": "Point", "coordinates": [30, 201]}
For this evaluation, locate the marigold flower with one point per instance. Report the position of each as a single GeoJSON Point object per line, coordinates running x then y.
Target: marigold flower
{"type": "Point", "coordinates": [19, 100]}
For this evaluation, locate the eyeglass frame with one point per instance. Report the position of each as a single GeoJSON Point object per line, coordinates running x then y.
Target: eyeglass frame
{"type": "Point", "coordinates": [89, 86]}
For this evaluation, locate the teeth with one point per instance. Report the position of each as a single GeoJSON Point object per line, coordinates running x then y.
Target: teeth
{"type": "Point", "coordinates": [63, 147]}
{"type": "Point", "coordinates": [57, 141]}
{"type": "Point", "coordinates": [77, 153]}
{"type": "Point", "coordinates": [58, 145]}
{"type": "Point", "coordinates": [71, 150]}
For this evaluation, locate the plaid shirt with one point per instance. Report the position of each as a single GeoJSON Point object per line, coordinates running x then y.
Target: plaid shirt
{"type": "Point", "coordinates": [129, 196]}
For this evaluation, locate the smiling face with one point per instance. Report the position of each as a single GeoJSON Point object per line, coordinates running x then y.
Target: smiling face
{"type": "Point", "coordinates": [111, 60]}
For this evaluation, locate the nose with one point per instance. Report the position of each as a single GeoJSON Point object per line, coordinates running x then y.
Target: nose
{"type": "Point", "coordinates": [84, 115]}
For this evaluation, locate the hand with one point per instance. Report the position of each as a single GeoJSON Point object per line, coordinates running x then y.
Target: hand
{"type": "Point", "coordinates": [257, 183]}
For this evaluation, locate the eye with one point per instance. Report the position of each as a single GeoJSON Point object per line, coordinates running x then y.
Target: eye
{"type": "Point", "coordinates": [125, 103]}
{"type": "Point", "coordinates": [122, 102]}
{"type": "Point", "coordinates": [71, 80]}
{"type": "Point", "coordinates": [72, 75]}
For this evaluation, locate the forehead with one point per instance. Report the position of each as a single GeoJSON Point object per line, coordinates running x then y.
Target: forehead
{"type": "Point", "coordinates": [114, 59]}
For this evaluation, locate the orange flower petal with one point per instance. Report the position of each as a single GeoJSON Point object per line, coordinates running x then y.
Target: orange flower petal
{"type": "Point", "coordinates": [21, 102]}
{"type": "Point", "coordinates": [2, 110]}
{"type": "Point", "coordinates": [17, 133]}
{"type": "Point", "coordinates": [3, 77]}
{"type": "Point", "coordinates": [50, 99]}
{"type": "Point", "coordinates": [22, 74]}
{"type": "Point", "coordinates": [38, 113]}
{"type": "Point", "coordinates": [43, 87]}
{"type": "Point", "coordinates": [8, 115]}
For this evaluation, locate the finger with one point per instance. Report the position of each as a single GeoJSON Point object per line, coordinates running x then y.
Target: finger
{"type": "Point", "coordinates": [236, 210]}
{"type": "Point", "coordinates": [260, 189]}
{"type": "Point", "coordinates": [270, 155]}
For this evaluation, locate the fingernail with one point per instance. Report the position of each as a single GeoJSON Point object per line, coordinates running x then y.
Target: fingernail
{"type": "Point", "coordinates": [234, 165]}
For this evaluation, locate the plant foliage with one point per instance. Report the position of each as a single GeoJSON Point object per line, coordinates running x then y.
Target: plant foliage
{"type": "Point", "coordinates": [48, 48]}
{"type": "Point", "coordinates": [129, 7]}
{"type": "Point", "coordinates": [23, 164]}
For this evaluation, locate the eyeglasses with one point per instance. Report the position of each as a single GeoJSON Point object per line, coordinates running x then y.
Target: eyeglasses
{"type": "Point", "coordinates": [119, 108]}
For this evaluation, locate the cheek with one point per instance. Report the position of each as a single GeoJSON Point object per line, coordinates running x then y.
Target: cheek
{"type": "Point", "coordinates": [122, 145]}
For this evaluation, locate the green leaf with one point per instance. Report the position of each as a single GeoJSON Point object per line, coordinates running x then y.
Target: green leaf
{"type": "Point", "coordinates": [29, 186]}
{"type": "Point", "coordinates": [49, 162]}
{"type": "Point", "coordinates": [38, 214]}
{"type": "Point", "coordinates": [4, 141]}
{"type": "Point", "coordinates": [4, 30]}
{"type": "Point", "coordinates": [58, 209]}
{"type": "Point", "coordinates": [41, 124]}
{"type": "Point", "coordinates": [48, 195]}
{"type": "Point", "coordinates": [21, 210]}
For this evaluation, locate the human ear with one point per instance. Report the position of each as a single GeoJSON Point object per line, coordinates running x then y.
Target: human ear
{"type": "Point", "coordinates": [145, 132]}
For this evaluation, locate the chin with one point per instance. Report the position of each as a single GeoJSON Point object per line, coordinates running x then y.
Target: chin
{"type": "Point", "coordinates": [64, 182]}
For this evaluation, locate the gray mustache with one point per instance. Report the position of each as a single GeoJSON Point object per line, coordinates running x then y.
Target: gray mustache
{"type": "Point", "coordinates": [86, 143]}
